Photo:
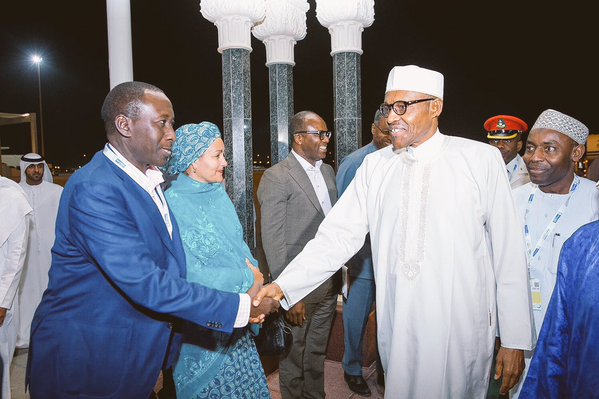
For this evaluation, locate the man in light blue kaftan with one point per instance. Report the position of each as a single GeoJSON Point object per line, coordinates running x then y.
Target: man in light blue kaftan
{"type": "Point", "coordinates": [566, 359]}
{"type": "Point", "coordinates": [211, 363]}
{"type": "Point", "coordinates": [552, 206]}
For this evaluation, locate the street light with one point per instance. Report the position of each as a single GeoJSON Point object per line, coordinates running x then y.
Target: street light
{"type": "Point", "coordinates": [37, 60]}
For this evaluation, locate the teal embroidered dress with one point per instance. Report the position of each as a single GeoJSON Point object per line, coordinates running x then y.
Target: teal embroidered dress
{"type": "Point", "coordinates": [213, 364]}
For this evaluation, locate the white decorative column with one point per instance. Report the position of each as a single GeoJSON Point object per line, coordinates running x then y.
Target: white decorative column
{"type": "Point", "coordinates": [346, 19]}
{"type": "Point", "coordinates": [283, 26]}
{"type": "Point", "coordinates": [120, 55]}
{"type": "Point", "coordinates": [234, 20]}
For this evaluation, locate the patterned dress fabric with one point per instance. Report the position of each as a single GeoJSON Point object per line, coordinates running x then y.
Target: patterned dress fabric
{"type": "Point", "coordinates": [213, 364]}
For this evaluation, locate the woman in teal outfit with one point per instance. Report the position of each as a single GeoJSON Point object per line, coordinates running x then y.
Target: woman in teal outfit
{"type": "Point", "coordinates": [211, 364]}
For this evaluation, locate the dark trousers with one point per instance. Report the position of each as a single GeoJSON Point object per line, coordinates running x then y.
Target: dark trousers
{"type": "Point", "coordinates": [301, 369]}
{"type": "Point", "coordinates": [356, 310]}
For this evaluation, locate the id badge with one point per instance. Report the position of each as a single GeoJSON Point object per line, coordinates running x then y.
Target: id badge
{"type": "Point", "coordinates": [535, 290]}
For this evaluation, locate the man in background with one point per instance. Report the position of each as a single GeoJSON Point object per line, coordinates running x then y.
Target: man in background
{"type": "Point", "coordinates": [360, 296]}
{"type": "Point", "coordinates": [43, 196]}
{"type": "Point", "coordinates": [505, 132]}
{"type": "Point", "coordinates": [593, 171]}
{"type": "Point", "coordinates": [295, 195]}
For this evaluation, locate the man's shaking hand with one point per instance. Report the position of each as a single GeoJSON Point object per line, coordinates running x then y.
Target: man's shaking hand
{"type": "Point", "coordinates": [271, 290]}
{"type": "Point", "coordinates": [265, 306]}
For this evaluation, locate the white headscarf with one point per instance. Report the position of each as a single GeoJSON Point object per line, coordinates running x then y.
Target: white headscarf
{"type": "Point", "coordinates": [33, 159]}
{"type": "Point", "coordinates": [13, 207]}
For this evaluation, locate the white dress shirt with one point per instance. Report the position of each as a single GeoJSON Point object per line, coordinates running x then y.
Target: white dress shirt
{"type": "Point", "coordinates": [317, 180]}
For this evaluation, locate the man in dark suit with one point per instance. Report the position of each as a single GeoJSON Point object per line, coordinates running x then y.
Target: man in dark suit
{"type": "Point", "coordinates": [295, 195]}
{"type": "Point", "coordinates": [117, 280]}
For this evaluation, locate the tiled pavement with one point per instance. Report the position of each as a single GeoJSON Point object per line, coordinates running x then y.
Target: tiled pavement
{"type": "Point", "coordinates": [335, 386]}
{"type": "Point", "coordinates": [17, 375]}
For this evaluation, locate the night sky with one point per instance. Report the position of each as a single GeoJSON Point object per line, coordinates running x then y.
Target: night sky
{"type": "Point", "coordinates": [498, 57]}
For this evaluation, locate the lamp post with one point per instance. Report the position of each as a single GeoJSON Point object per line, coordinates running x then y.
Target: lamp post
{"type": "Point", "coordinates": [37, 60]}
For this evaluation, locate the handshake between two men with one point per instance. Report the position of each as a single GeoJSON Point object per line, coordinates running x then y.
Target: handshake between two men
{"type": "Point", "coordinates": [265, 298]}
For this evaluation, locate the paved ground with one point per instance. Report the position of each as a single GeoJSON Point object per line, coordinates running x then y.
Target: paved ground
{"type": "Point", "coordinates": [17, 376]}
{"type": "Point", "coordinates": [335, 386]}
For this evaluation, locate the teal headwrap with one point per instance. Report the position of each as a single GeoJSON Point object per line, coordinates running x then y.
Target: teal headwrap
{"type": "Point", "coordinates": [192, 141]}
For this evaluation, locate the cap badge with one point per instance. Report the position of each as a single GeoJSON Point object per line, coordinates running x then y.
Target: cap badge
{"type": "Point", "coordinates": [501, 124]}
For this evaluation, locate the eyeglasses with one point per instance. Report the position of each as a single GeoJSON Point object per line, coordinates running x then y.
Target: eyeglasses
{"type": "Point", "coordinates": [399, 107]}
{"type": "Point", "coordinates": [321, 133]}
{"type": "Point", "coordinates": [384, 131]}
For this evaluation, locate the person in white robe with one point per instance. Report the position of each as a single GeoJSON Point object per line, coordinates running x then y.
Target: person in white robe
{"type": "Point", "coordinates": [43, 196]}
{"type": "Point", "coordinates": [553, 205]}
{"type": "Point", "coordinates": [505, 132]}
{"type": "Point", "coordinates": [448, 254]}
{"type": "Point", "coordinates": [15, 213]}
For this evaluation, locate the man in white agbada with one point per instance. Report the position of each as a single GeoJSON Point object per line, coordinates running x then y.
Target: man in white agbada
{"type": "Point", "coordinates": [553, 206]}
{"type": "Point", "coordinates": [44, 196]}
{"type": "Point", "coordinates": [14, 212]}
{"type": "Point", "coordinates": [448, 253]}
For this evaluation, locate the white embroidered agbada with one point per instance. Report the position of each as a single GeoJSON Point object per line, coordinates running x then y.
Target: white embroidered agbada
{"type": "Point", "coordinates": [447, 250]}
{"type": "Point", "coordinates": [44, 199]}
{"type": "Point", "coordinates": [14, 213]}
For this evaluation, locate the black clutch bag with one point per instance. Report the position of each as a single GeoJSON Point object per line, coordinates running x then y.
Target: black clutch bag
{"type": "Point", "coordinates": [274, 337]}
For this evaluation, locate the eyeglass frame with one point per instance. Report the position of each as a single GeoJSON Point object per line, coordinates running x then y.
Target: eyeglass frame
{"type": "Point", "coordinates": [321, 133]}
{"type": "Point", "coordinates": [390, 107]}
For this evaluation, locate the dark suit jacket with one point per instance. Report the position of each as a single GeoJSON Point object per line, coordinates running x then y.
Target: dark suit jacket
{"type": "Point", "coordinates": [117, 282]}
{"type": "Point", "coordinates": [290, 216]}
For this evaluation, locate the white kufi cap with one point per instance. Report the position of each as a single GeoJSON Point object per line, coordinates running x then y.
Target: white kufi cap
{"type": "Point", "coordinates": [414, 78]}
{"type": "Point", "coordinates": [555, 120]}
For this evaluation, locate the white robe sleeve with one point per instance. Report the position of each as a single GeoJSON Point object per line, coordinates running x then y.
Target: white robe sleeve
{"type": "Point", "coordinates": [509, 261]}
{"type": "Point", "coordinates": [15, 249]}
{"type": "Point", "coordinates": [340, 235]}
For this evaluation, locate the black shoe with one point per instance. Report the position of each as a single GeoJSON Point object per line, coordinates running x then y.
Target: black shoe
{"type": "Point", "coordinates": [357, 384]}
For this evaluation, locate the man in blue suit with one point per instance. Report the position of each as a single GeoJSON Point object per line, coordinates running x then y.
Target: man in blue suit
{"type": "Point", "coordinates": [358, 305]}
{"type": "Point", "coordinates": [117, 281]}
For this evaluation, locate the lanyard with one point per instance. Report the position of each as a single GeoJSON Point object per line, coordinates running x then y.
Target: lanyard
{"type": "Point", "coordinates": [532, 252]}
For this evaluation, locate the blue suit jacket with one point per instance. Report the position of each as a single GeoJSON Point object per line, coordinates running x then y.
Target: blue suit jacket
{"type": "Point", "coordinates": [360, 265]}
{"type": "Point", "coordinates": [103, 328]}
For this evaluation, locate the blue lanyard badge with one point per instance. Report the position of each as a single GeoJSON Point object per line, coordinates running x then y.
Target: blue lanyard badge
{"type": "Point", "coordinates": [532, 252]}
